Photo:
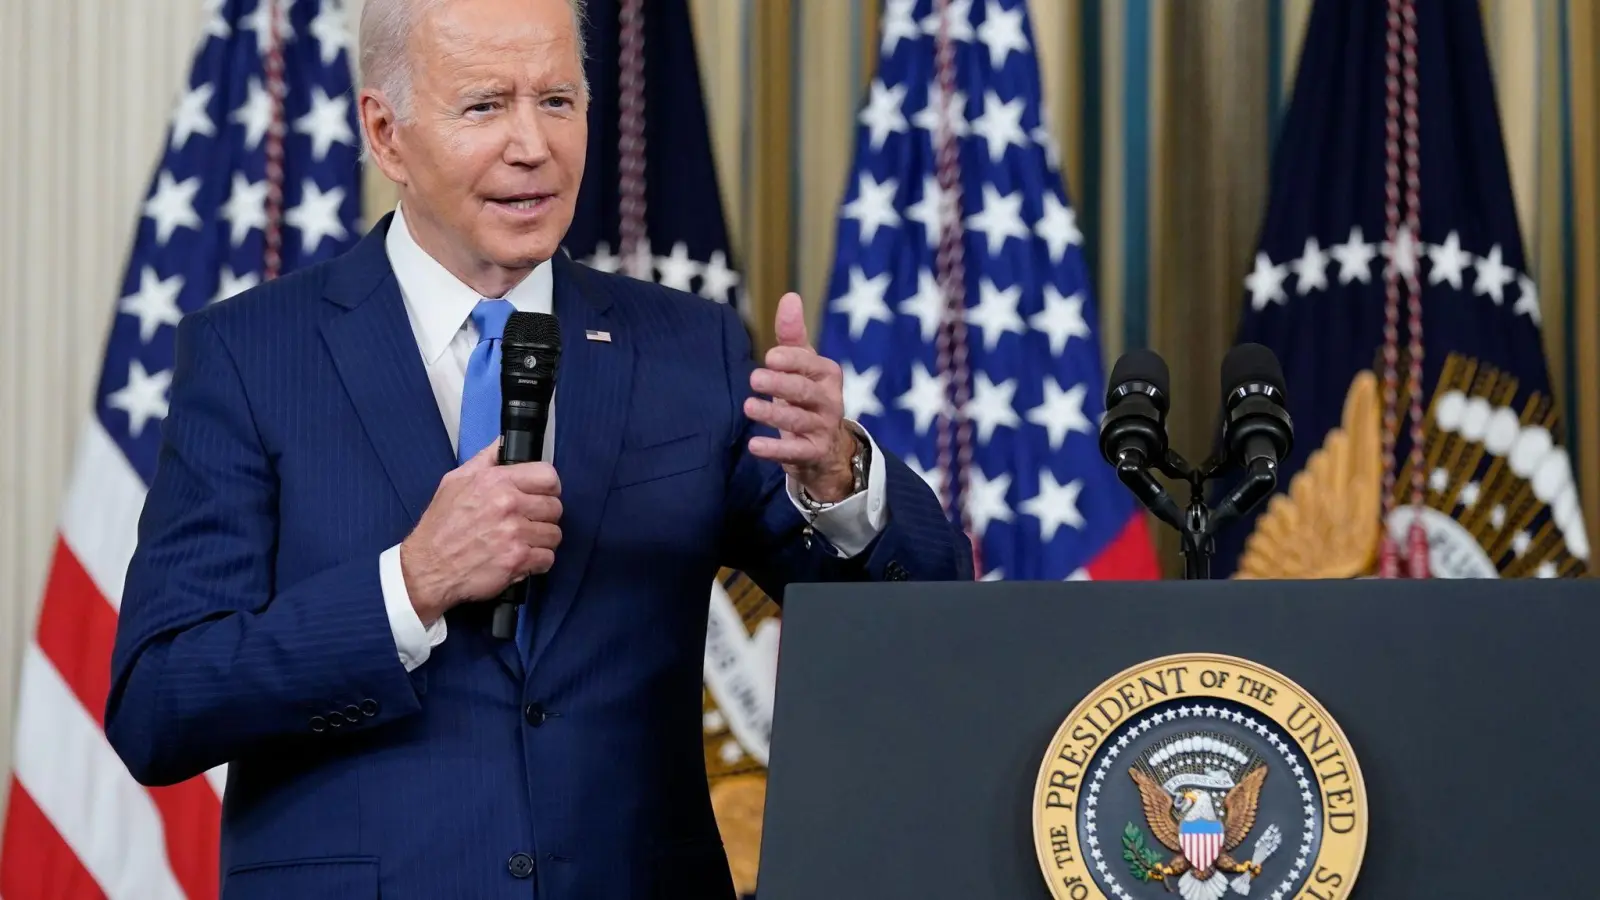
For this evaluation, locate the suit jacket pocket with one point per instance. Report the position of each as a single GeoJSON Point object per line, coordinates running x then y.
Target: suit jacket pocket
{"type": "Point", "coordinates": [660, 459]}
{"type": "Point", "coordinates": [321, 878]}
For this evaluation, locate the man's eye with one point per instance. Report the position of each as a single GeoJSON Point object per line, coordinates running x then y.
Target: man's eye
{"type": "Point", "coordinates": [481, 107]}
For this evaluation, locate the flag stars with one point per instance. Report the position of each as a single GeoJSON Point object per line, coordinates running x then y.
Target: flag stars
{"type": "Point", "coordinates": [1061, 412]}
{"type": "Point", "coordinates": [216, 21]}
{"type": "Point", "coordinates": [1061, 319]}
{"type": "Point", "coordinates": [925, 399]}
{"type": "Point", "coordinates": [1493, 276]}
{"type": "Point", "coordinates": [317, 216]}
{"type": "Point", "coordinates": [172, 205]}
{"type": "Point", "coordinates": [254, 114]}
{"type": "Point", "coordinates": [873, 207]}
{"type": "Point", "coordinates": [992, 405]}
{"type": "Point", "coordinates": [882, 115]}
{"type": "Point", "coordinates": [257, 22]}
{"type": "Point", "coordinates": [930, 210]}
{"type": "Point", "coordinates": [1311, 269]}
{"type": "Point", "coordinates": [143, 398]}
{"type": "Point", "coordinates": [863, 302]}
{"type": "Point", "coordinates": [899, 24]}
{"type": "Point", "coordinates": [985, 500]}
{"type": "Point", "coordinates": [155, 303]}
{"type": "Point", "coordinates": [230, 284]}
{"type": "Point", "coordinates": [327, 123]}
{"type": "Point", "coordinates": [1528, 300]}
{"type": "Point", "coordinates": [331, 31]}
{"type": "Point", "coordinates": [246, 208]}
{"type": "Point", "coordinates": [1447, 261]}
{"type": "Point", "coordinates": [1266, 283]}
{"type": "Point", "coordinates": [933, 111]}
{"type": "Point", "coordinates": [1355, 258]}
{"type": "Point", "coordinates": [957, 20]}
{"type": "Point", "coordinates": [1001, 124]}
{"type": "Point", "coordinates": [1402, 254]}
{"type": "Point", "coordinates": [927, 305]}
{"type": "Point", "coordinates": [999, 218]}
{"type": "Point", "coordinates": [717, 279]}
{"type": "Point", "coordinates": [996, 312]}
{"type": "Point", "coordinates": [1058, 226]}
{"type": "Point", "coordinates": [861, 392]}
{"type": "Point", "coordinates": [1001, 32]}
{"type": "Point", "coordinates": [677, 270]}
{"type": "Point", "coordinates": [193, 116]}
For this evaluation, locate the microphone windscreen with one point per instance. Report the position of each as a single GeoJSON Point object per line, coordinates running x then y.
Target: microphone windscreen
{"type": "Point", "coordinates": [1251, 364]}
{"type": "Point", "coordinates": [1142, 365]}
{"type": "Point", "coordinates": [536, 329]}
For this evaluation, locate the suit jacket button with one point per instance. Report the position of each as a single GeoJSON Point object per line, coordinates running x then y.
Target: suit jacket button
{"type": "Point", "coordinates": [352, 714]}
{"type": "Point", "coordinates": [895, 571]}
{"type": "Point", "coordinates": [520, 865]}
{"type": "Point", "coordinates": [534, 713]}
{"type": "Point", "coordinates": [369, 708]}
{"type": "Point", "coordinates": [318, 723]}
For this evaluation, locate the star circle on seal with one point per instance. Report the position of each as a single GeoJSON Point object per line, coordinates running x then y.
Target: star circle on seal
{"type": "Point", "coordinates": [1200, 775]}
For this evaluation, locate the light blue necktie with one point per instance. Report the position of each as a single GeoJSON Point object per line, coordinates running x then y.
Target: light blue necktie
{"type": "Point", "coordinates": [480, 406]}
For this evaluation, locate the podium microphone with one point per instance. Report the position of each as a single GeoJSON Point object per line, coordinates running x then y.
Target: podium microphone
{"type": "Point", "coordinates": [1133, 434]}
{"type": "Point", "coordinates": [529, 353]}
{"type": "Point", "coordinates": [1257, 432]}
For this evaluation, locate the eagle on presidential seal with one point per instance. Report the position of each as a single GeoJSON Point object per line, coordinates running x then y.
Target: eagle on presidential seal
{"type": "Point", "coordinates": [1202, 812]}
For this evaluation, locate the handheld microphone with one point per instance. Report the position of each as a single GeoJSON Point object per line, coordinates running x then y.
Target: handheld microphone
{"type": "Point", "coordinates": [1133, 434]}
{"type": "Point", "coordinates": [530, 351]}
{"type": "Point", "coordinates": [1257, 432]}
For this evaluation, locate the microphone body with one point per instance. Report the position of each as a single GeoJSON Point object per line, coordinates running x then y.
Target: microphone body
{"type": "Point", "coordinates": [530, 353]}
{"type": "Point", "coordinates": [1133, 434]}
{"type": "Point", "coordinates": [1257, 432]}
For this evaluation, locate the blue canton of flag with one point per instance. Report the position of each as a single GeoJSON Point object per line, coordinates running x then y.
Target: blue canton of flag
{"type": "Point", "coordinates": [1039, 501]}
{"type": "Point", "coordinates": [202, 236]}
{"type": "Point", "coordinates": [1496, 485]}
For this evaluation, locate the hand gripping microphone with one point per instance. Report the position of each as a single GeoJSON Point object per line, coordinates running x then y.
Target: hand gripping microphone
{"type": "Point", "coordinates": [1133, 434]}
{"type": "Point", "coordinates": [529, 353]}
{"type": "Point", "coordinates": [1256, 430]}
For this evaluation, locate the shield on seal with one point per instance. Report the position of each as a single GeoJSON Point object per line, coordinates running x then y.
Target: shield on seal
{"type": "Point", "coordinates": [1201, 840]}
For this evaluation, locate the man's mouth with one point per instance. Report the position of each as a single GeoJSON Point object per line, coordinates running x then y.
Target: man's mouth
{"type": "Point", "coordinates": [523, 202]}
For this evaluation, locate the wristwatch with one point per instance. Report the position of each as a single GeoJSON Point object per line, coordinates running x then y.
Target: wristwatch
{"type": "Point", "coordinates": [858, 472]}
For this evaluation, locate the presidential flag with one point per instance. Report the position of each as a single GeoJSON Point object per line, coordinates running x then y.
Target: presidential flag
{"type": "Point", "coordinates": [959, 304]}
{"type": "Point", "coordinates": [650, 207]}
{"type": "Point", "coordinates": [258, 175]}
{"type": "Point", "coordinates": [1390, 254]}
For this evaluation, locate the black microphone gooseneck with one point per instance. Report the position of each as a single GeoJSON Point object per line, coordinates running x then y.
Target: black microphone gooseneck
{"type": "Point", "coordinates": [1256, 434]}
{"type": "Point", "coordinates": [529, 353]}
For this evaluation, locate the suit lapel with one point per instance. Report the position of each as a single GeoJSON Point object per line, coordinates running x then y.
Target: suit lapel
{"type": "Point", "coordinates": [375, 353]}
{"type": "Point", "coordinates": [593, 382]}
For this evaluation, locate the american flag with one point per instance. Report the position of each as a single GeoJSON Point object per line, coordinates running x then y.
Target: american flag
{"type": "Point", "coordinates": [1021, 368]}
{"type": "Point", "coordinates": [259, 175]}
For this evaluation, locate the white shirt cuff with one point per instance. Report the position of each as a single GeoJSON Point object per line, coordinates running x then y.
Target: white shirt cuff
{"type": "Point", "coordinates": [854, 522]}
{"type": "Point", "coordinates": [412, 640]}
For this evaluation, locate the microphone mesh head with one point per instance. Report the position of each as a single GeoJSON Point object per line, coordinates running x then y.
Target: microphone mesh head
{"type": "Point", "coordinates": [1251, 363]}
{"type": "Point", "coordinates": [539, 329]}
{"type": "Point", "coordinates": [1142, 365]}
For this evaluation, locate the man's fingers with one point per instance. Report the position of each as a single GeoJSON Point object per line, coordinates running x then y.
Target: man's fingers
{"type": "Point", "coordinates": [534, 478]}
{"type": "Point", "coordinates": [800, 361]}
{"type": "Point", "coordinates": [789, 326]}
{"type": "Point", "coordinates": [483, 459]}
{"type": "Point", "coordinates": [794, 419]}
{"type": "Point", "coordinates": [788, 387]}
{"type": "Point", "coordinates": [795, 451]}
{"type": "Point", "coordinates": [539, 507]}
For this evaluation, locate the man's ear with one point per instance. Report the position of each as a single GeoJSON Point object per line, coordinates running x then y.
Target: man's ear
{"type": "Point", "coordinates": [380, 132]}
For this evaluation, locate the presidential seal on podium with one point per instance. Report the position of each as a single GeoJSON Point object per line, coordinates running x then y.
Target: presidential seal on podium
{"type": "Point", "coordinates": [1201, 775]}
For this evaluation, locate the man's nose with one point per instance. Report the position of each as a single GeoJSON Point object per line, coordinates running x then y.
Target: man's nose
{"type": "Point", "coordinates": [528, 144]}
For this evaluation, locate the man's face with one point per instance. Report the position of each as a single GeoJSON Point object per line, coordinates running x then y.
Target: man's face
{"type": "Point", "coordinates": [493, 155]}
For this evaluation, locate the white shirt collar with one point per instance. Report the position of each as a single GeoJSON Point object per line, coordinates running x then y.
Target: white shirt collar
{"type": "Point", "coordinates": [438, 303]}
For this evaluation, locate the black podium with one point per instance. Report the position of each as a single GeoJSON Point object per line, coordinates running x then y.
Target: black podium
{"type": "Point", "coordinates": [920, 729]}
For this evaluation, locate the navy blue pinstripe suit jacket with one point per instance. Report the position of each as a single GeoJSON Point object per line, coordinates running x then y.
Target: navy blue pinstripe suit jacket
{"type": "Point", "coordinates": [302, 440]}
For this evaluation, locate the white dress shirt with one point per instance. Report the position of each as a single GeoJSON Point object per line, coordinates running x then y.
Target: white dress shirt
{"type": "Point", "coordinates": [439, 307]}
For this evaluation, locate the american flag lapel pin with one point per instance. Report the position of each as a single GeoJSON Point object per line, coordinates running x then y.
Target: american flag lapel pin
{"type": "Point", "coordinates": [602, 336]}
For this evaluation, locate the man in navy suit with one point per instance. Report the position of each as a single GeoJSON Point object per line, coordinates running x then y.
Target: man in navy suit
{"type": "Point", "coordinates": [306, 601]}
